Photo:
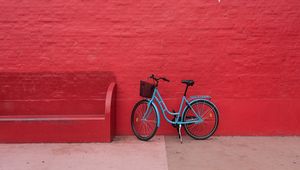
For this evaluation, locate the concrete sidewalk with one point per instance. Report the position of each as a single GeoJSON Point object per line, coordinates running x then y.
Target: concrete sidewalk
{"type": "Point", "coordinates": [123, 153]}
{"type": "Point", "coordinates": [235, 153]}
{"type": "Point", "coordinates": [160, 153]}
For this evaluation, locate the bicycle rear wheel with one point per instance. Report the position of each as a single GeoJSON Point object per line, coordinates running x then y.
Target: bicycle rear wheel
{"type": "Point", "coordinates": [144, 127]}
{"type": "Point", "coordinates": [210, 116]}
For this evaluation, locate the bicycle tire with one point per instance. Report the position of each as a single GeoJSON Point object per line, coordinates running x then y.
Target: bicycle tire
{"type": "Point", "coordinates": [188, 127]}
{"type": "Point", "coordinates": [136, 119]}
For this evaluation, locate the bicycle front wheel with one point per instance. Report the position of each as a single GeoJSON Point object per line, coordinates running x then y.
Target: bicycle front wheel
{"type": "Point", "coordinates": [210, 116]}
{"type": "Point", "coordinates": [144, 120]}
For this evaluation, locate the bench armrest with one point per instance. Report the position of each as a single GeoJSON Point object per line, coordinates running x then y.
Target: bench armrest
{"type": "Point", "coordinates": [110, 110]}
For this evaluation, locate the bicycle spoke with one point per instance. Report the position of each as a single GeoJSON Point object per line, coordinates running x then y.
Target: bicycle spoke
{"type": "Point", "coordinates": [205, 113]}
{"type": "Point", "coordinates": [151, 127]}
{"type": "Point", "coordinates": [151, 121]}
{"type": "Point", "coordinates": [202, 108]}
{"type": "Point", "coordinates": [146, 128]}
{"type": "Point", "coordinates": [199, 110]}
{"type": "Point", "coordinates": [209, 119]}
{"type": "Point", "coordinates": [140, 111]}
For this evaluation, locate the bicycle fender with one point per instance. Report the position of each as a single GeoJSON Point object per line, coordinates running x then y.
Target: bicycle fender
{"type": "Point", "coordinates": [200, 97]}
{"type": "Point", "coordinates": [157, 113]}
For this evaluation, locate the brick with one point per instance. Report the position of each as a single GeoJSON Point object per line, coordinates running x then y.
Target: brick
{"type": "Point", "coordinates": [235, 51]}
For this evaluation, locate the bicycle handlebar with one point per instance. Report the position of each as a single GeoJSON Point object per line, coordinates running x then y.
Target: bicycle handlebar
{"type": "Point", "coordinates": [165, 79]}
{"type": "Point", "coordinates": [158, 78]}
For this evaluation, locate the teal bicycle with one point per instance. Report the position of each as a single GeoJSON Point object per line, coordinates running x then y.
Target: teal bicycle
{"type": "Point", "coordinates": [198, 115]}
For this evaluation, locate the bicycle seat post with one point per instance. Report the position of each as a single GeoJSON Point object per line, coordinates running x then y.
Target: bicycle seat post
{"type": "Point", "coordinates": [186, 88]}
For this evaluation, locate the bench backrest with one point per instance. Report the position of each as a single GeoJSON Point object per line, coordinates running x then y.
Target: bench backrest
{"type": "Point", "coordinates": [51, 93]}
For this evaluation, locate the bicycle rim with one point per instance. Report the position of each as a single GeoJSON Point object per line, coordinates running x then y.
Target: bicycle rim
{"type": "Point", "coordinates": [210, 118]}
{"type": "Point", "coordinates": [144, 129]}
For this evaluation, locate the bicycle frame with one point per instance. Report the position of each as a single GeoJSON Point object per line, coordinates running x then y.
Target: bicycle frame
{"type": "Point", "coordinates": [179, 115]}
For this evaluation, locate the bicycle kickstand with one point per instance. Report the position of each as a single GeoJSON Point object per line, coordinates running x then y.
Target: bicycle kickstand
{"type": "Point", "coordinates": [179, 133]}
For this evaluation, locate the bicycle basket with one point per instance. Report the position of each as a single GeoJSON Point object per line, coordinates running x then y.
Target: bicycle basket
{"type": "Point", "coordinates": [146, 89]}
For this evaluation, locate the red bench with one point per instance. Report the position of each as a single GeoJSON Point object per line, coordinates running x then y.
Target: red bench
{"type": "Point", "coordinates": [57, 107]}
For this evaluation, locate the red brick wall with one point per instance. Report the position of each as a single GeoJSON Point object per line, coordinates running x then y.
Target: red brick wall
{"type": "Point", "coordinates": [245, 54]}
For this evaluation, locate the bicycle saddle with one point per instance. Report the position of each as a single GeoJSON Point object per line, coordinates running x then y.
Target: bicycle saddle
{"type": "Point", "coordinates": [188, 82]}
